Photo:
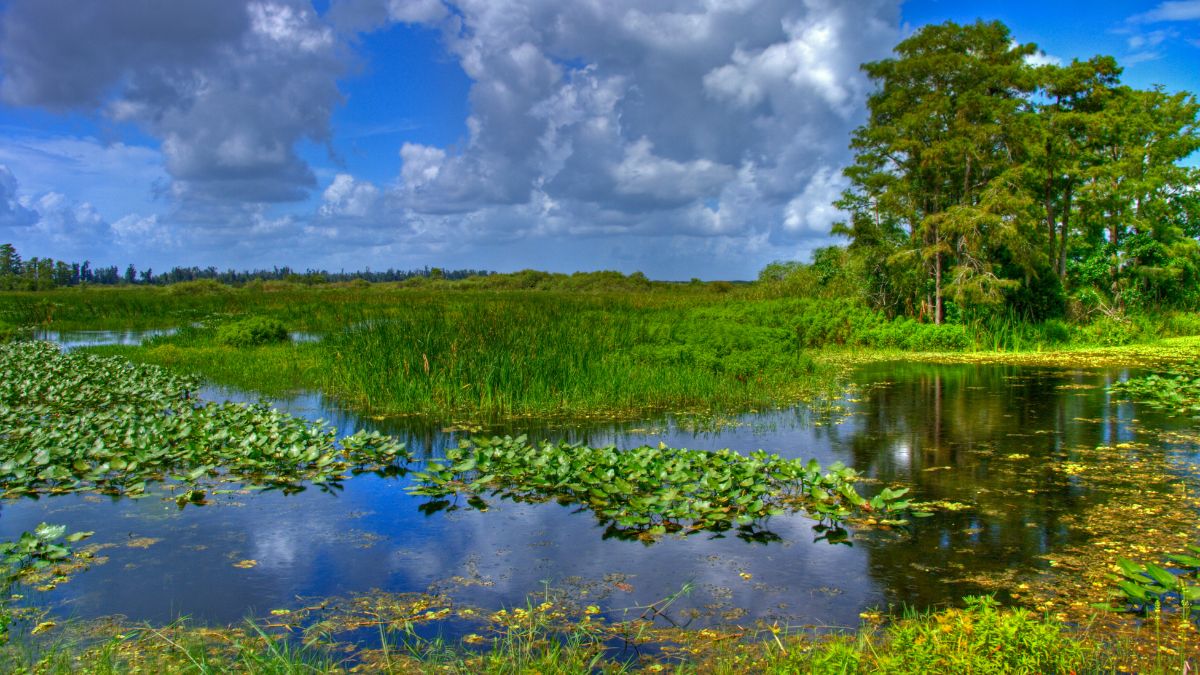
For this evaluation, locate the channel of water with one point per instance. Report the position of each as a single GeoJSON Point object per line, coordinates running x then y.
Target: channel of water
{"type": "Point", "coordinates": [980, 435]}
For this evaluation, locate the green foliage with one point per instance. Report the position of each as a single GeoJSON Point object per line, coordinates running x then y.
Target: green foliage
{"type": "Point", "coordinates": [647, 492]}
{"type": "Point", "coordinates": [47, 545]}
{"type": "Point", "coordinates": [251, 332]}
{"type": "Point", "coordinates": [1113, 331]}
{"type": "Point", "coordinates": [980, 638]}
{"type": "Point", "coordinates": [13, 334]}
{"type": "Point", "coordinates": [555, 354]}
{"type": "Point", "coordinates": [987, 180]}
{"type": "Point", "coordinates": [75, 422]}
{"type": "Point", "coordinates": [1176, 391]}
{"type": "Point", "coordinates": [1151, 588]}
{"type": "Point", "coordinates": [199, 287]}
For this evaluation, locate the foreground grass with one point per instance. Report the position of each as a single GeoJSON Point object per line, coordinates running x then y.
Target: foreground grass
{"type": "Point", "coordinates": [557, 637]}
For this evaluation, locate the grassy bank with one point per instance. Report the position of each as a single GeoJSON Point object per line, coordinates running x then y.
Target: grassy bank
{"type": "Point", "coordinates": [553, 635]}
{"type": "Point", "coordinates": [470, 351]}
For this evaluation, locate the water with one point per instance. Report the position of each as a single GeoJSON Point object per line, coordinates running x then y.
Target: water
{"type": "Point", "coordinates": [73, 339]}
{"type": "Point", "coordinates": [987, 436]}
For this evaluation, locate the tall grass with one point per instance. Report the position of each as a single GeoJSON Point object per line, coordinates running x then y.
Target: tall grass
{"type": "Point", "coordinates": [549, 355]}
{"type": "Point", "coordinates": [452, 350]}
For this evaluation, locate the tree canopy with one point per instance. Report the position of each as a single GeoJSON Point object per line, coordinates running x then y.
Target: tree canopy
{"type": "Point", "coordinates": [983, 179]}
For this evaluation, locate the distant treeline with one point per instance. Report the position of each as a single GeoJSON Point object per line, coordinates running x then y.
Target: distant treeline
{"type": "Point", "coordinates": [39, 274]}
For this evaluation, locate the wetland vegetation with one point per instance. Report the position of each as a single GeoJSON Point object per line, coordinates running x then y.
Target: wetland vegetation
{"type": "Point", "coordinates": [1001, 355]}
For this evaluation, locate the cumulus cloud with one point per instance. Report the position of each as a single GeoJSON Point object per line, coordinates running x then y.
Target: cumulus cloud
{"type": "Point", "coordinates": [692, 119]}
{"type": "Point", "coordinates": [135, 231]}
{"type": "Point", "coordinates": [347, 197]}
{"type": "Point", "coordinates": [229, 87]}
{"type": "Point", "coordinates": [13, 214]}
{"type": "Point", "coordinates": [699, 128]}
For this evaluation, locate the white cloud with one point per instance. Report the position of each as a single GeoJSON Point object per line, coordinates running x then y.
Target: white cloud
{"type": "Point", "coordinates": [666, 181]}
{"type": "Point", "coordinates": [662, 119]}
{"type": "Point", "coordinates": [1146, 45]}
{"type": "Point", "coordinates": [1038, 58]}
{"type": "Point", "coordinates": [347, 197]}
{"type": "Point", "coordinates": [13, 214]}
{"type": "Point", "coordinates": [134, 232]}
{"type": "Point", "coordinates": [228, 87]}
{"type": "Point", "coordinates": [813, 210]}
{"type": "Point", "coordinates": [1176, 10]}
{"type": "Point", "coordinates": [703, 128]}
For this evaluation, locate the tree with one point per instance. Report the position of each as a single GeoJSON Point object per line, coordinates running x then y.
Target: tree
{"type": "Point", "coordinates": [983, 179]}
{"type": "Point", "coordinates": [932, 169]}
{"type": "Point", "coordinates": [10, 267]}
{"type": "Point", "coordinates": [1139, 201]}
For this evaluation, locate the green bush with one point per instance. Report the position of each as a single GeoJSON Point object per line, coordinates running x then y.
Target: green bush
{"type": "Point", "coordinates": [982, 638]}
{"type": "Point", "coordinates": [1180, 323]}
{"type": "Point", "coordinates": [936, 338]}
{"type": "Point", "coordinates": [1111, 332]}
{"type": "Point", "coordinates": [198, 287]}
{"type": "Point", "coordinates": [251, 331]}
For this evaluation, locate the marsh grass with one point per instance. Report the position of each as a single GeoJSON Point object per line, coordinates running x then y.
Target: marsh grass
{"type": "Point", "coordinates": [553, 356]}
{"type": "Point", "coordinates": [504, 349]}
{"type": "Point", "coordinates": [271, 370]}
{"type": "Point", "coordinates": [549, 635]}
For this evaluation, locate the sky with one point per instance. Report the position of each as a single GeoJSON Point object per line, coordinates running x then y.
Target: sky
{"type": "Point", "coordinates": [680, 138]}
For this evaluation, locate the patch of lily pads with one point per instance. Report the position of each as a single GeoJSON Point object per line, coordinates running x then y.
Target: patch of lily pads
{"type": "Point", "coordinates": [73, 422]}
{"type": "Point", "coordinates": [1176, 391]}
{"type": "Point", "coordinates": [647, 492]}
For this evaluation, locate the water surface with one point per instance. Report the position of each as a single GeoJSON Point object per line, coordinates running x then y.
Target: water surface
{"type": "Point", "coordinates": [987, 436]}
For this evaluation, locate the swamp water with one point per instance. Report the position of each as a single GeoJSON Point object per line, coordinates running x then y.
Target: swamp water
{"type": "Point", "coordinates": [1006, 446]}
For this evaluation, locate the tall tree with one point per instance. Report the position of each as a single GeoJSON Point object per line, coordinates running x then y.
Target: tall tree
{"type": "Point", "coordinates": [10, 267]}
{"type": "Point", "coordinates": [984, 179]}
{"type": "Point", "coordinates": [934, 161]}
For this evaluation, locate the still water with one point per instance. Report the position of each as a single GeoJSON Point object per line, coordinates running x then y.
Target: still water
{"type": "Point", "coordinates": [985, 436]}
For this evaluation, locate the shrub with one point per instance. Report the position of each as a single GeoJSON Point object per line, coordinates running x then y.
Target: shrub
{"type": "Point", "coordinates": [982, 638]}
{"type": "Point", "coordinates": [14, 334]}
{"type": "Point", "coordinates": [1181, 323]}
{"type": "Point", "coordinates": [198, 287]}
{"type": "Point", "coordinates": [251, 331]}
{"type": "Point", "coordinates": [1111, 332]}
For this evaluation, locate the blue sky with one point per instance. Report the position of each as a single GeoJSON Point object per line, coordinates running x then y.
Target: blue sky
{"type": "Point", "coordinates": [682, 138]}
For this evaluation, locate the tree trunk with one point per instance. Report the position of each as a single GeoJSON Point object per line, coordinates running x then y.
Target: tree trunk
{"type": "Point", "coordinates": [1062, 243]}
{"type": "Point", "coordinates": [1048, 203]}
{"type": "Point", "coordinates": [1114, 234]}
{"type": "Point", "coordinates": [938, 311]}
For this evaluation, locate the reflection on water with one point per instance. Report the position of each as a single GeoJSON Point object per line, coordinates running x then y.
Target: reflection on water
{"type": "Point", "coordinates": [987, 436]}
{"type": "Point", "coordinates": [74, 339]}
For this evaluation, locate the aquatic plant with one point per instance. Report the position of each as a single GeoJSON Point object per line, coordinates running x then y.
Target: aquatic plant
{"type": "Point", "coordinates": [46, 545]}
{"type": "Point", "coordinates": [648, 491]}
{"type": "Point", "coordinates": [71, 422]}
{"type": "Point", "coordinates": [74, 422]}
{"type": "Point", "coordinates": [1149, 587]}
{"type": "Point", "coordinates": [1177, 391]}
